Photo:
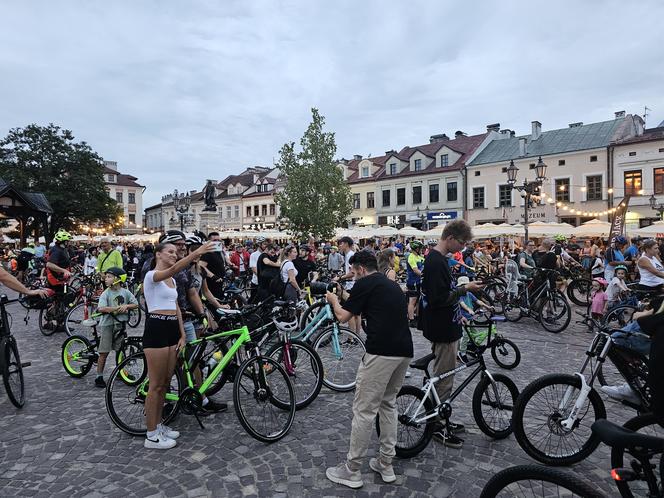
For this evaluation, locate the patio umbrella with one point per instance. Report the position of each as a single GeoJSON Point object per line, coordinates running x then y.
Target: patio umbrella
{"type": "Point", "coordinates": [593, 228]}
{"type": "Point", "coordinates": [412, 232]}
{"type": "Point", "coordinates": [544, 229]}
{"type": "Point", "coordinates": [385, 231]}
{"type": "Point", "coordinates": [656, 230]}
{"type": "Point", "coordinates": [436, 231]}
{"type": "Point", "coordinates": [485, 230]}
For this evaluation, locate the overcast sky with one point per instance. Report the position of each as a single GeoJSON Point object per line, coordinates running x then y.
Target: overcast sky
{"type": "Point", "coordinates": [180, 91]}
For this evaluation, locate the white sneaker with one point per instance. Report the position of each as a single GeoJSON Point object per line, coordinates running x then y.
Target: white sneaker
{"type": "Point", "coordinates": [408, 374]}
{"type": "Point", "coordinates": [385, 471]}
{"type": "Point", "coordinates": [623, 392]}
{"type": "Point", "coordinates": [160, 442]}
{"type": "Point", "coordinates": [168, 432]}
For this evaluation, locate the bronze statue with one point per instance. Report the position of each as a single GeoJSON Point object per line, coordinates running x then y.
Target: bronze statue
{"type": "Point", "coordinates": [210, 193]}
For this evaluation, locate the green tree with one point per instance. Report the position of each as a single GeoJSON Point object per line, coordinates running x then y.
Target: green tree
{"type": "Point", "coordinates": [316, 199]}
{"type": "Point", "coordinates": [47, 159]}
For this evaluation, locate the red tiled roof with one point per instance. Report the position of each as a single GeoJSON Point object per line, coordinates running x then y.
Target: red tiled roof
{"type": "Point", "coordinates": [121, 180]}
{"type": "Point", "coordinates": [353, 166]}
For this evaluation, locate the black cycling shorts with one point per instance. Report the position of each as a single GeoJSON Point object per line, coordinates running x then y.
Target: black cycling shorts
{"type": "Point", "coordinates": [413, 290]}
{"type": "Point", "coordinates": [161, 331]}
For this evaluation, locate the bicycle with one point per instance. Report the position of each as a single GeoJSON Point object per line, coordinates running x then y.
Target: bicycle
{"type": "Point", "coordinates": [11, 365]}
{"type": "Point", "coordinates": [559, 405]}
{"type": "Point", "coordinates": [256, 379]}
{"type": "Point", "coordinates": [420, 409]}
{"type": "Point", "coordinates": [79, 353]}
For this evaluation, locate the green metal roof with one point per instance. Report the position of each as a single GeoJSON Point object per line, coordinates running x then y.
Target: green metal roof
{"type": "Point", "coordinates": [590, 136]}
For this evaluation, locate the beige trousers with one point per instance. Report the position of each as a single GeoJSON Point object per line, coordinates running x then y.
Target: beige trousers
{"type": "Point", "coordinates": [379, 379]}
{"type": "Point", "coordinates": [446, 359]}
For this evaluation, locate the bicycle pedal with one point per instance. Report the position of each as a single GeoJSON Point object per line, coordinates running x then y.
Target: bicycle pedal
{"type": "Point", "coordinates": [26, 364]}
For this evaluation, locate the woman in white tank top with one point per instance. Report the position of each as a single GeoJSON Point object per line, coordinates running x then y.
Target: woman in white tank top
{"type": "Point", "coordinates": [650, 267]}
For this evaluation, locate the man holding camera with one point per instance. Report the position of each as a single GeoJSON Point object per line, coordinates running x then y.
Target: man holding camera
{"type": "Point", "coordinates": [389, 348]}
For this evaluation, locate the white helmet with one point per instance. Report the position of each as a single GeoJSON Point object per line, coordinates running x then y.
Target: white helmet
{"type": "Point", "coordinates": [260, 239]}
{"type": "Point", "coordinates": [285, 322]}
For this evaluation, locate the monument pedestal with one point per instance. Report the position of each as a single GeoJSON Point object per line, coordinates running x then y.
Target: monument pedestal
{"type": "Point", "coordinates": [209, 221]}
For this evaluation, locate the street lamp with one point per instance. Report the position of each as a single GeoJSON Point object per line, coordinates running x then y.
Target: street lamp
{"type": "Point", "coordinates": [422, 216]}
{"type": "Point", "coordinates": [528, 189]}
{"type": "Point", "coordinates": [657, 207]}
{"type": "Point", "coordinates": [181, 203]}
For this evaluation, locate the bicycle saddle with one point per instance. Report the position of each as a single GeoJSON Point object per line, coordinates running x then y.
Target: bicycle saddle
{"type": "Point", "coordinates": [279, 302]}
{"type": "Point", "coordinates": [422, 363]}
{"type": "Point", "coordinates": [614, 435]}
{"type": "Point", "coordinates": [225, 312]}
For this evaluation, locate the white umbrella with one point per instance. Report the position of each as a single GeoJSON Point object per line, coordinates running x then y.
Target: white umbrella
{"type": "Point", "coordinates": [593, 228]}
{"type": "Point", "coordinates": [385, 231]}
{"type": "Point", "coordinates": [544, 229]}
{"type": "Point", "coordinates": [485, 230]}
{"type": "Point", "coordinates": [656, 230]}
{"type": "Point", "coordinates": [412, 232]}
{"type": "Point", "coordinates": [436, 231]}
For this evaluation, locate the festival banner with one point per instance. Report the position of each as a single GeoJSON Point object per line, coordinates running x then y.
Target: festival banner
{"type": "Point", "coordinates": [618, 223]}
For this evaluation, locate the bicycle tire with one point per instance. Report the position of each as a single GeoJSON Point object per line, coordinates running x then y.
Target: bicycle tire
{"type": "Point", "coordinates": [267, 377]}
{"type": "Point", "coordinates": [498, 351]}
{"type": "Point", "coordinates": [496, 291]}
{"type": "Point", "coordinates": [528, 395]}
{"type": "Point", "coordinates": [129, 347]}
{"type": "Point", "coordinates": [582, 286]}
{"type": "Point", "coordinates": [609, 375]}
{"type": "Point", "coordinates": [12, 372]}
{"type": "Point", "coordinates": [512, 475]}
{"type": "Point", "coordinates": [117, 390]}
{"type": "Point", "coordinates": [647, 424]}
{"type": "Point", "coordinates": [354, 351]}
{"type": "Point", "coordinates": [310, 313]}
{"type": "Point", "coordinates": [301, 353]}
{"type": "Point", "coordinates": [403, 448]}
{"type": "Point", "coordinates": [74, 319]}
{"type": "Point", "coordinates": [484, 395]}
{"type": "Point", "coordinates": [44, 320]}
{"type": "Point", "coordinates": [480, 318]}
{"type": "Point", "coordinates": [619, 316]}
{"type": "Point", "coordinates": [512, 308]}
{"type": "Point", "coordinates": [565, 312]}
{"type": "Point", "coordinates": [71, 348]}
{"type": "Point", "coordinates": [134, 318]}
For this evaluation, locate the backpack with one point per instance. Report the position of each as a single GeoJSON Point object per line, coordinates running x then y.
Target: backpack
{"type": "Point", "coordinates": [277, 287]}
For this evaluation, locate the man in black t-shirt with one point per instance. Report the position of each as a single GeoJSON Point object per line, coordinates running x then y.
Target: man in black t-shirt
{"type": "Point", "coordinates": [267, 268]}
{"type": "Point", "coordinates": [303, 265]}
{"type": "Point", "coordinates": [389, 348]}
{"type": "Point", "coordinates": [215, 263]}
{"type": "Point", "coordinates": [549, 260]}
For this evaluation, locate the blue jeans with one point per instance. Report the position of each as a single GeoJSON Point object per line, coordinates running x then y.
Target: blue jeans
{"type": "Point", "coordinates": [189, 331]}
{"type": "Point", "coordinates": [626, 339]}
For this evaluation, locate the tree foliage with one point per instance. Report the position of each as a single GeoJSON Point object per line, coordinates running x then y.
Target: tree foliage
{"type": "Point", "coordinates": [316, 199]}
{"type": "Point", "coordinates": [47, 159]}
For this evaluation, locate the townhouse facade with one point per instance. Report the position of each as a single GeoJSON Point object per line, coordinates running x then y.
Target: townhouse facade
{"type": "Point", "coordinates": [258, 204]}
{"type": "Point", "coordinates": [577, 187]}
{"type": "Point", "coordinates": [128, 194]}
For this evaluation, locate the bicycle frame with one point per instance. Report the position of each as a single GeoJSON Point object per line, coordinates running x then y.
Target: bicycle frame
{"type": "Point", "coordinates": [323, 315]}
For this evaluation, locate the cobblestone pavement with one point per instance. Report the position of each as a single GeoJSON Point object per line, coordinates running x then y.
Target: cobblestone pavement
{"type": "Point", "coordinates": [62, 442]}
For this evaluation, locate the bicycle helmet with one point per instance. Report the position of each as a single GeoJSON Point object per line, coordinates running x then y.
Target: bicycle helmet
{"type": "Point", "coordinates": [36, 302]}
{"type": "Point", "coordinates": [415, 245]}
{"type": "Point", "coordinates": [600, 281]}
{"type": "Point", "coordinates": [193, 240]}
{"type": "Point", "coordinates": [171, 236]}
{"type": "Point", "coordinates": [431, 242]}
{"type": "Point", "coordinates": [285, 322]}
{"type": "Point", "coordinates": [119, 274]}
{"type": "Point", "coordinates": [260, 239]}
{"type": "Point", "coordinates": [620, 240]}
{"type": "Point", "coordinates": [62, 236]}
{"type": "Point", "coordinates": [560, 238]}
{"type": "Point", "coordinates": [620, 267]}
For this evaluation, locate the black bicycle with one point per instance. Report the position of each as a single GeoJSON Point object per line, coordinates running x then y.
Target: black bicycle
{"type": "Point", "coordinates": [10, 361]}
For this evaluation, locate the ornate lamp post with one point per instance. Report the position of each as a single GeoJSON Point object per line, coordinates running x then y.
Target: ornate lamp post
{"type": "Point", "coordinates": [657, 207]}
{"type": "Point", "coordinates": [527, 189]}
{"type": "Point", "coordinates": [181, 203]}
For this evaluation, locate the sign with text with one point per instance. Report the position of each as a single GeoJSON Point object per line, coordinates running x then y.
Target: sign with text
{"type": "Point", "coordinates": [543, 212]}
{"type": "Point", "coordinates": [442, 216]}
{"type": "Point", "coordinates": [618, 224]}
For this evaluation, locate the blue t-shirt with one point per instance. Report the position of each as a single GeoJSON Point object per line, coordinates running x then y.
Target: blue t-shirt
{"type": "Point", "coordinates": [609, 270]}
{"type": "Point", "coordinates": [469, 300]}
{"type": "Point", "coordinates": [631, 252]}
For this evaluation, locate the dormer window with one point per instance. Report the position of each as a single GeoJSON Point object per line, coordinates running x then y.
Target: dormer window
{"type": "Point", "coordinates": [110, 178]}
{"type": "Point", "coordinates": [418, 164]}
{"type": "Point", "coordinates": [444, 160]}
{"type": "Point", "coordinates": [365, 171]}
{"type": "Point", "coordinates": [393, 168]}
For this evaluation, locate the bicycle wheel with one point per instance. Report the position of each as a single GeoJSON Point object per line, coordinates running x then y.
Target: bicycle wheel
{"type": "Point", "coordinates": [650, 425]}
{"type": "Point", "coordinates": [75, 318]}
{"type": "Point", "coordinates": [512, 308]}
{"type": "Point", "coordinates": [125, 402]}
{"type": "Point", "coordinates": [609, 375]}
{"type": "Point", "coordinates": [535, 481]}
{"type": "Point", "coordinates": [505, 353]}
{"type": "Point", "coordinates": [538, 415]}
{"type": "Point", "coordinates": [496, 291]}
{"type": "Point", "coordinates": [310, 313]}
{"type": "Point", "coordinates": [412, 437]}
{"type": "Point", "coordinates": [493, 409]}
{"type": "Point", "coordinates": [481, 318]}
{"type": "Point", "coordinates": [341, 355]}
{"type": "Point", "coordinates": [264, 399]}
{"type": "Point", "coordinates": [304, 368]}
{"type": "Point", "coordinates": [48, 322]}
{"type": "Point", "coordinates": [12, 371]}
{"type": "Point", "coordinates": [555, 312]}
{"type": "Point", "coordinates": [78, 355]}
{"type": "Point", "coordinates": [578, 291]}
{"type": "Point", "coordinates": [619, 316]}
{"type": "Point", "coordinates": [134, 318]}
{"type": "Point", "coordinates": [129, 346]}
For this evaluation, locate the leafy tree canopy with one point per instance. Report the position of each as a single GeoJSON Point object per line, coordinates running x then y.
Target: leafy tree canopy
{"type": "Point", "coordinates": [47, 159]}
{"type": "Point", "coordinates": [316, 199]}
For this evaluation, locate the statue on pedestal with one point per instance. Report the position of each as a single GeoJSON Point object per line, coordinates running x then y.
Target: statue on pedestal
{"type": "Point", "coordinates": [210, 193]}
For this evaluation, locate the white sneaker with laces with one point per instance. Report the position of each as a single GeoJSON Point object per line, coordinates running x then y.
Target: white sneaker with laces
{"type": "Point", "coordinates": [159, 442]}
{"type": "Point", "coordinates": [168, 432]}
{"type": "Point", "coordinates": [386, 471]}
{"type": "Point", "coordinates": [623, 392]}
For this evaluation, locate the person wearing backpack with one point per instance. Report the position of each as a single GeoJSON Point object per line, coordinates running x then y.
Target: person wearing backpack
{"type": "Point", "coordinates": [290, 290]}
{"type": "Point", "coordinates": [108, 257]}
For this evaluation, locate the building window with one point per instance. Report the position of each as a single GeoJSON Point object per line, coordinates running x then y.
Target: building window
{"type": "Point", "coordinates": [356, 201]}
{"type": "Point", "coordinates": [452, 194]}
{"type": "Point", "coordinates": [433, 193]}
{"type": "Point", "coordinates": [477, 173]}
{"type": "Point", "coordinates": [659, 180]}
{"type": "Point", "coordinates": [562, 189]}
{"type": "Point", "coordinates": [228, 212]}
{"type": "Point", "coordinates": [272, 210]}
{"type": "Point", "coordinates": [569, 221]}
{"type": "Point", "coordinates": [504, 196]}
{"type": "Point", "coordinates": [111, 178]}
{"type": "Point", "coordinates": [594, 188]}
{"type": "Point", "coordinates": [132, 198]}
{"type": "Point", "coordinates": [118, 197]}
{"type": "Point", "coordinates": [417, 195]}
{"type": "Point", "coordinates": [478, 197]}
{"type": "Point", "coordinates": [386, 198]}
{"type": "Point", "coordinates": [237, 211]}
{"type": "Point", "coordinates": [255, 210]}
{"type": "Point", "coordinates": [132, 219]}
{"type": "Point", "coordinates": [531, 165]}
{"type": "Point", "coordinates": [593, 159]}
{"type": "Point", "coordinates": [365, 171]}
{"type": "Point", "coordinates": [632, 182]}
{"type": "Point", "coordinates": [393, 168]}
{"type": "Point", "coordinates": [632, 154]}
{"type": "Point", "coordinates": [418, 164]}
{"type": "Point", "coordinates": [264, 210]}
{"type": "Point", "coordinates": [445, 160]}
{"type": "Point", "coordinates": [370, 199]}
{"type": "Point", "coordinates": [248, 211]}
{"type": "Point", "coordinates": [561, 162]}
{"type": "Point", "coordinates": [401, 196]}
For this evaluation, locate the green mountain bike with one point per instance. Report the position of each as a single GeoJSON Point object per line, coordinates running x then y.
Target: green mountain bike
{"type": "Point", "coordinates": [263, 395]}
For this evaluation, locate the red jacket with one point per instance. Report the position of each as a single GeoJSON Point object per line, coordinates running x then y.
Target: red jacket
{"type": "Point", "coordinates": [235, 260]}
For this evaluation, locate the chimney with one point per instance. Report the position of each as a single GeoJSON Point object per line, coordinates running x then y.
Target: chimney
{"type": "Point", "coordinates": [390, 152]}
{"type": "Point", "coordinates": [576, 125]}
{"type": "Point", "coordinates": [620, 114]}
{"type": "Point", "coordinates": [441, 137]}
{"type": "Point", "coordinates": [493, 127]}
{"type": "Point", "coordinates": [536, 130]}
{"type": "Point", "coordinates": [357, 157]}
{"type": "Point", "coordinates": [523, 149]}
{"type": "Point", "coordinates": [343, 160]}
{"type": "Point", "coordinates": [459, 133]}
